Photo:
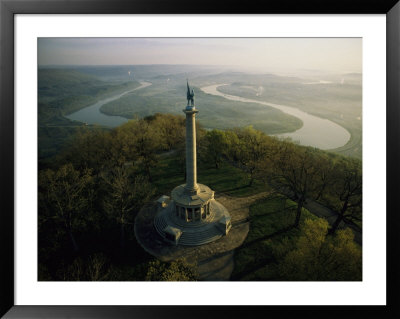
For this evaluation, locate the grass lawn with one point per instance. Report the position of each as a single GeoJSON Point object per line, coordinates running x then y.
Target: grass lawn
{"type": "Point", "coordinates": [226, 179]}
{"type": "Point", "coordinates": [271, 221]}
{"type": "Point", "coordinates": [271, 218]}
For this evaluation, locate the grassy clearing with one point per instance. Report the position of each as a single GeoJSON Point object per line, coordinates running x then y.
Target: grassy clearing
{"type": "Point", "coordinates": [271, 230]}
{"type": "Point", "coordinates": [227, 179]}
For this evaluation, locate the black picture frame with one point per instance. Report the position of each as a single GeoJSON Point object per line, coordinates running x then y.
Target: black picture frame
{"type": "Point", "coordinates": [8, 8]}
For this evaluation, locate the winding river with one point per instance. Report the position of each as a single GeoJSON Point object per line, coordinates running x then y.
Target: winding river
{"type": "Point", "coordinates": [92, 115]}
{"type": "Point", "coordinates": [316, 131]}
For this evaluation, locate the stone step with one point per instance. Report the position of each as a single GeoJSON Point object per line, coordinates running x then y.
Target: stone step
{"type": "Point", "coordinates": [198, 242]}
{"type": "Point", "coordinates": [201, 234]}
{"type": "Point", "coordinates": [191, 237]}
{"type": "Point", "coordinates": [185, 224]}
{"type": "Point", "coordinates": [160, 223]}
{"type": "Point", "coordinates": [199, 238]}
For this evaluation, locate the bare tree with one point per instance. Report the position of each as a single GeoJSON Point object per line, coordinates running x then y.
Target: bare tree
{"type": "Point", "coordinates": [126, 194]}
{"type": "Point", "coordinates": [66, 195]}
{"type": "Point", "coordinates": [348, 189]}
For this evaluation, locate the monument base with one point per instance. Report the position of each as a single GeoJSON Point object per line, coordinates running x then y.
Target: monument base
{"type": "Point", "coordinates": [192, 220]}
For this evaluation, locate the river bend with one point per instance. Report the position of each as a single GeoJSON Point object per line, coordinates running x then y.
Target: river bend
{"type": "Point", "coordinates": [317, 132]}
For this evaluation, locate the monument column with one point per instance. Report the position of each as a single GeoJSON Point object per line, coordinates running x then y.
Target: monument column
{"type": "Point", "coordinates": [191, 159]}
{"type": "Point", "coordinates": [203, 219]}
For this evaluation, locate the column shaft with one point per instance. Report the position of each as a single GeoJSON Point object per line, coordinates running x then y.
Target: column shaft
{"type": "Point", "coordinates": [191, 160]}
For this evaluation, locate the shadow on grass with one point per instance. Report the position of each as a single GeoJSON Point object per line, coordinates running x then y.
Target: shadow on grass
{"type": "Point", "coordinates": [262, 263]}
{"type": "Point", "coordinates": [278, 232]}
{"type": "Point", "coordinates": [220, 255]}
{"type": "Point", "coordinates": [230, 190]}
{"type": "Point", "coordinates": [252, 269]}
{"type": "Point", "coordinates": [287, 209]}
{"type": "Point", "coordinates": [214, 271]}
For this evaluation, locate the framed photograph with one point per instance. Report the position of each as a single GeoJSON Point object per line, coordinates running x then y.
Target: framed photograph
{"type": "Point", "coordinates": [198, 160]}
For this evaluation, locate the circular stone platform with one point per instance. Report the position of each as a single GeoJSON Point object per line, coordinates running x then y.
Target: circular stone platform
{"type": "Point", "coordinates": [214, 261]}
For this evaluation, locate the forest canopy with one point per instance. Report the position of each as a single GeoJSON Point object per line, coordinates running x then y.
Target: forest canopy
{"type": "Point", "coordinates": [91, 192]}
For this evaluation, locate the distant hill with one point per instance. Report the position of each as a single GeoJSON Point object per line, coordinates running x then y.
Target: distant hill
{"type": "Point", "coordinates": [241, 77]}
{"type": "Point", "coordinates": [65, 91]}
{"type": "Point", "coordinates": [140, 72]}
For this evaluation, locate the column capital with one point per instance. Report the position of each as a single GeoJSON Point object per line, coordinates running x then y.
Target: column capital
{"type": "Point", "coordinates": [190, 111]}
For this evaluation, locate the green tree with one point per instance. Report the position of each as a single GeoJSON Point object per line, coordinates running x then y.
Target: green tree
{"type": "Point", "coordinates": [90, 148]}
{"type": "Point", "coordinates": [294, 171]}
{"type": "Point", "coordinates": [121, 148]}
{"type": "Point", "coordinates": [320, 257]}
{"type": "Point", "coordinates": [178, 270]}
{"type": "Point", "coordinates": [146, 142]}
{"type": "Point", "coordinates": [251, 150]}
{"type": "Point", "coordinates": [66, 196]}
{"type": "Point", "coordinates": [170, 127]}
{"type": "Point", "coordinates": [214, 147]}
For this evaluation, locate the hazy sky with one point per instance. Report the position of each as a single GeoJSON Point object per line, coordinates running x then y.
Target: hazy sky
{"type": "Point", "coordinates": [330, 54]}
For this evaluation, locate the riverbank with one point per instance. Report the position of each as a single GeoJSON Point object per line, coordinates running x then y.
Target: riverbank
{"type": "Point", "coordinates": [93, 115]}
{"type": "Point", "coordinates": [317, 132]}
